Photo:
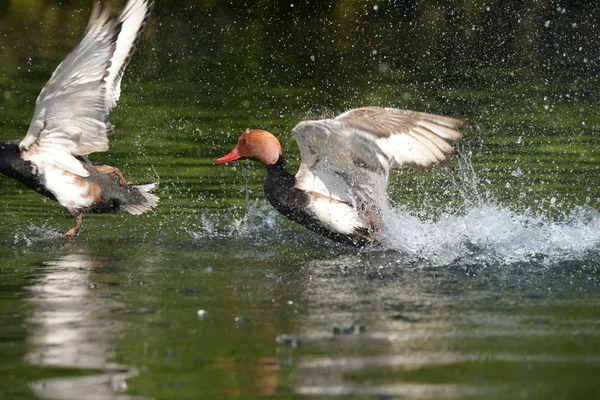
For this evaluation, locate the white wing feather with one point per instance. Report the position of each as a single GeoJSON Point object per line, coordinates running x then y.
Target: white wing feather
{"type": "Point", "coordinates": [349, 158]}
{"type": "Point", "coordinates": [133, 19]}
{"type": "Point", "coordinates": [70, 116]}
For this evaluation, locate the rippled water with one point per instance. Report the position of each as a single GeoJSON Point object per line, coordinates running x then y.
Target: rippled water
{"type": "Point", "coordinates": [489, 283]}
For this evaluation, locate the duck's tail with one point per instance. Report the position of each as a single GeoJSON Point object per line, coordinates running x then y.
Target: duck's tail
{"type": "Point", "coordinates": [150, 200]}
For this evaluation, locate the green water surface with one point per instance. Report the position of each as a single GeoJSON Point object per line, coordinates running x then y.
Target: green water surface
{"type": "Point", "coordinates": [214, 295]}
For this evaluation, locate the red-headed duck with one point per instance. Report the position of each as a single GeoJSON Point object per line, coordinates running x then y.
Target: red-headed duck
{"type": "Point", "coordinates": [70, 122]}
{"type": "Point", "coordinates": [339, 190]}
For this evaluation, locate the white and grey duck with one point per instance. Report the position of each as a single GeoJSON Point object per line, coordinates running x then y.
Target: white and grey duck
{"type": "Point", "coordinates": [70, 122]}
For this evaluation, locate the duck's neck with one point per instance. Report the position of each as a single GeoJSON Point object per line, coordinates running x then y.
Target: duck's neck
{"type": "Point", "coordinates": [279, 182]}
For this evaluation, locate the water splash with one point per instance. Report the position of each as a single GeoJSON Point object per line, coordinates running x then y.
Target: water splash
{"type": "Point", "coordinates": [484, 232]}
{"type": "Point", "coordinates": [257, 219]}
{"type": "Point", "coordinates": [492, 234]}
{"type": "Point", "coordinates": [35, 233]}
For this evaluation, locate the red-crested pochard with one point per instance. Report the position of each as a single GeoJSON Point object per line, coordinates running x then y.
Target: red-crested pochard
{"type": "Point", "coordinates": [339, 190]}
{"type": "Point", "coordinates": [70, 122]}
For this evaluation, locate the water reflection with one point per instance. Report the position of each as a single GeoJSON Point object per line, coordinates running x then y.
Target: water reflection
{"type": "Point", "coordinates": [427, 332]}
{"type": "Point", "coordinates": [263, 373]}
{"type": "Point", "coordinates": [72, 327]}
{"type": "Point", "coordinates": [398, 326]}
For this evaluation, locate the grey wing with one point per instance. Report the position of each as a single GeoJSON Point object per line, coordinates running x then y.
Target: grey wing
{"type": "Point", "coordinates": [340, 163]}
{"type": "Point", "coordinates": [133, 19]}
{"type": "Point", "coordinates": [71, 111]}
{"type": "Point", "coordinates": [349, 157]}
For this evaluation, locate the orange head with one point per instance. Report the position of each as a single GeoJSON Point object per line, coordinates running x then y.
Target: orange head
{"type": "Point", "coordinates": [256, 145]}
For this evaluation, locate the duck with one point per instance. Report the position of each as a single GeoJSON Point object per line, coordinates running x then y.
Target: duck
{"type": "Point", "coordinates": [340, 188]}
{"type": "Point", "coordinates": [70, 122]}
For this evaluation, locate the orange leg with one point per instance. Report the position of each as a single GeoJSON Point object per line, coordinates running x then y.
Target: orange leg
{"type": "Point", "coordinates": [107, 169]}
{"type": "Point", "coordinates": [78, 215]}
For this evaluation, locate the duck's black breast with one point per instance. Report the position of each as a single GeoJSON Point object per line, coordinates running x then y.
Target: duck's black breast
{"type": "Point", "coordinates": [293, 203]}
{"type": "Point", "coordinates": [13, 165]}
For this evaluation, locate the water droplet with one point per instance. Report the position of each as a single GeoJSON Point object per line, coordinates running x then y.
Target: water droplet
{"type": "Point", "coordinates": [517, 172]}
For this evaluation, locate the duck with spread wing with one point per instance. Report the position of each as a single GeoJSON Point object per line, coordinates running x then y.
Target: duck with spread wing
{"type": "Point", "coordinates": [339, 190]}
{"type": "Point", "coordinates": [70, 122]}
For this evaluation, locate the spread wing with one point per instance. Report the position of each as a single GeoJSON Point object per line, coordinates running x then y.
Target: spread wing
{"type": "Point", "coordinates": [70, 117]}
{"type": "Point", "coordinates": [349, 158]}
{"type": "Point", "coordinates": [133, 19]}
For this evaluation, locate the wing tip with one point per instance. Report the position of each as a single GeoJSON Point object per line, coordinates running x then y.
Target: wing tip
{"type": "Point", "coordinates": [115, 76]}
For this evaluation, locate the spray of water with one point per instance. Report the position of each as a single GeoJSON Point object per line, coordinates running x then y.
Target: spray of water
{"type": "Point", "coordinates": [485, 232]}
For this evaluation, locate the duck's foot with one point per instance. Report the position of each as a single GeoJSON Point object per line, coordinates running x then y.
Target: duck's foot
{"type": "Point", "coordinates": [71, 232]}
{"type": "Point", "coordinates": [78, 215]}
{"type": "Point", "coordinates": [107, 169]}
